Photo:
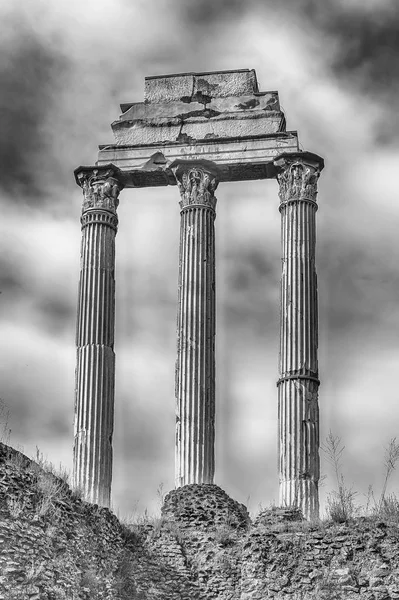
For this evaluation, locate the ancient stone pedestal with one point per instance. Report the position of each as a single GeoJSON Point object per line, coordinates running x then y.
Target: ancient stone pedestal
{"type": "Point", "coordinates": [95, 371]}
{"type": "Point", "coordinates": [195, 365]}
{"type": "Point", "coordinates": [298, 412]}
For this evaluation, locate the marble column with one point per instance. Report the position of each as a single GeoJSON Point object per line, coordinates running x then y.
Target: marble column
{"type": "Point", "coordinates": [95, 370]}
{"type": "Point", "coordinates": [298, 411]}
{"type": "Point", "coordinates": [195, 365]}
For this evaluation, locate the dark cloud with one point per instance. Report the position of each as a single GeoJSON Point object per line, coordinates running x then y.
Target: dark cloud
{"type": "Point", "coordinates": [58, 426]}
{"type": "Point", "coordinates": [367, 57]}
{"type": "Point", "coordinates": [250, 278]}
{"type": "Point", "coordinates": [250, 265]}
{"type": "Point", "coordinates": [57, 313]}
{"type": "Point", "coordinates": [361, 287]}
{"type": "Point", "coordinates": [148, 441]}
{"type": "Point", "coordinates": [360, 43]}
{"type": "Point", "coordinates": [10, 278]}
{"type": "Point", "coordinates": [210, 13]}
{"type": "Point", "coordinates": [27, 421]}
{"type": "Point", "coordinates": [49, 304]}
{"type": "Point", "coordinates": [29, 72]}
{"type": "Point", "coordinates": [368, 45]}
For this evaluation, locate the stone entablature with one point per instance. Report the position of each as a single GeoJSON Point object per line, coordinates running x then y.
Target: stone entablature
{"type": "Point", "coordinates": [219, 116]}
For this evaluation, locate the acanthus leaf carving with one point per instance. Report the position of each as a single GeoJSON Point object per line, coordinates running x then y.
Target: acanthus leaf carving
{"type": "Point", "coordinates": [298, 181]}
{"type": "Point", "coordinates": [197, 186]}
{"type": "Point", "coordinates": [100, 189]}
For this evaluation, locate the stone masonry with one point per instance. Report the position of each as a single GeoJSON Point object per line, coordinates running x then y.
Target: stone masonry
{"type": "Point", "coordinates": [203, 547]}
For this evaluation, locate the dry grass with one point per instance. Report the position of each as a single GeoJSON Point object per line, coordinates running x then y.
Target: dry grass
{"type": "Point", "coordinates": [50, 490]}
{"type": "Point", "coordinates": [341, 506]}
{"type": "Point", "coordinates": [225, 535]}
{"type": "Point", "coordinates": [125, 586]}
{"type": "Point", "coordinates": [16, 505]}
{"type": "Point", "coordinates": [90, 582]}
{"type": "Point", "coordinates": [5, 431]}
{"type": "Point", "coordinates": [50, 482]}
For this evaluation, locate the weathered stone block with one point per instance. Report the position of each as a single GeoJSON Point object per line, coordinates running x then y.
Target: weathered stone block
{"type": "Point", "coordinates": [261, 101]}
{"type": "Point", "coordinates": [184, 86]}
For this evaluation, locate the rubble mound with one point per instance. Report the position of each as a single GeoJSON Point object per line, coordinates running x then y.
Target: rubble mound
{"type": "Point", "coordinates": [276, 515]}
{"type": "Point", "coordinates": [204, 506]}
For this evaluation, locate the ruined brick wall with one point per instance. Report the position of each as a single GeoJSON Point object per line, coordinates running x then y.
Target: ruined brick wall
{"type": "Point", "coordinates": [53, 546]}
{"type": "Point", "coordinates": [280, 556]}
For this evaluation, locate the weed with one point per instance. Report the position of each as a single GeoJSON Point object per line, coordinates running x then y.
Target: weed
{"type": "Point", "coordinates": [89, 581]}
{"type": "Point", "coordinates": [160, 495]}
{"type": "Point", "coordinates": [174, 530]}
{"type": "Point", "coordinates": [390, 459]}
{"type": "Point", "coordinates": [156, 526]}
{"type": "Point", "coordinates": [224, 564]}
{"type": "Point", "coordinates": [34, 571]}
{"type": "Point", "coordinates": [224, 536]}
{"type": "Point", "coordinates": [5, 431]}
{"type": "Point", "coordinates": [17, 459]}
{"type": "Point", "coordinates": [59, 593]}
{"type": "Point", "coordinates": [16, 505]}
{"type": "Point", "coordinates": [42, 463]}
{"type": "Point", "coordinates": [340, 504]}
{"type": "Point", "coordinates": [78, 493]}
{"type": "Point", "coordinates": [51, 531]}
{"type": "Point", "coordinates": [130, 535]}
{"type": "Point", "coordinates": [50, 490]}
{"type": "Point", "coordinates": [124, 578]}
{"type": "Point", "coordinates": [388, 509]}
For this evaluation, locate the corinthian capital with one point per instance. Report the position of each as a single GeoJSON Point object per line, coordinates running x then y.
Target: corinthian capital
{"type": "Point", "coordinates": [297, 175]}
{"type": "Point", "coordinates": [197, 183]}
{"type": "Point", "coordinates": [101, 187]}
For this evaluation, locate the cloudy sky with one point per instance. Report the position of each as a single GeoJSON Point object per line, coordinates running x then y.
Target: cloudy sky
{"type": "Point", "coordinates": [64, 69]}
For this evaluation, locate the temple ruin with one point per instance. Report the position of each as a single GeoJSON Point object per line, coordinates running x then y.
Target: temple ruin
{"type": "Point", "coordinates": [197, 130]}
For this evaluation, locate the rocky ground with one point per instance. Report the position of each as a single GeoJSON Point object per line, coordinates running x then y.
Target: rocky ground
{"type": "Point", "coordinates": [54, 546]}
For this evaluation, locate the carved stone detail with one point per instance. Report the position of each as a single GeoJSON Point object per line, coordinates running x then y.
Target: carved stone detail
{"type": "Point", "coordinates": [197, 185]}
{"type": "Point", "coordinates": [298, 181]}
{"type": "Point", "coordinates": [100, 189]}
{"type": "Point", "coordinates": [90, 217]}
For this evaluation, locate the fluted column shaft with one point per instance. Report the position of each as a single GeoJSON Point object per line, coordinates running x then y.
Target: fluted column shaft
{"type": "Point", "coordinates": [95, 370]}
{"type": "Point", "coordinates": [195, 365]}
{"type": "Point", "coordinates": [298, 412]}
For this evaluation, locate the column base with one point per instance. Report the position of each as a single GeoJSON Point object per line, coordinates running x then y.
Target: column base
{"type": "Point", "coordinates": [302, 494]}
